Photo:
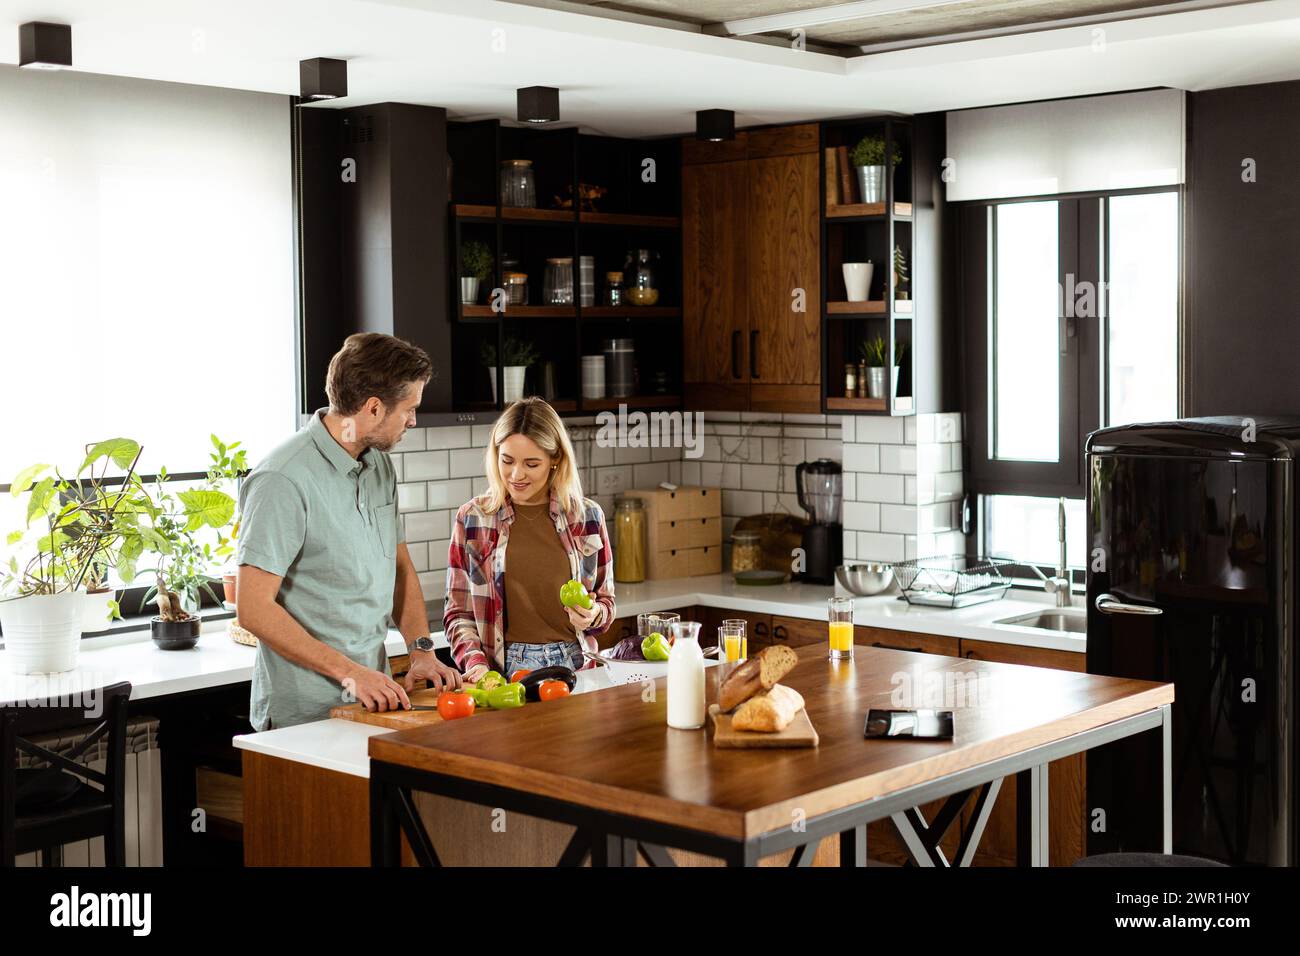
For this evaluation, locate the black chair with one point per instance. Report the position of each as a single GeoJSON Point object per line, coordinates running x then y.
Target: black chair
{"type": "Point", "coordinates": [44, 808]}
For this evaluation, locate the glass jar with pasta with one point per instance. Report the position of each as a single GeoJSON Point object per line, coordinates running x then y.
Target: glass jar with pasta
{"type": "Point", "coordinates": [629, 540]}
{"type": "Point", "coordinates": [746, 551]}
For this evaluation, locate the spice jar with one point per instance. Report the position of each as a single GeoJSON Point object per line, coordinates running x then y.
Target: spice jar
{"type": "Point", "coordinates": [850, 380]}
{"type": "Point", "coordinates": [557, 284]}
{"type": "Point", "coordinates": [746, 551]}
{"type": "Point", "coordinates": [862, 380]}
{"type": "Point", "coordinates": [629, 540]}
{"type": "Point", "coordinates": [614, 288]}
{"type": "Point", "coordinates": [516, 288]}
{"type": "Point", "coordinates": [517, 188]}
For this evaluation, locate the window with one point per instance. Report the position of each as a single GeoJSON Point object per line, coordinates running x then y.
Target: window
{"type": "Point", "coordinates": [1071, 321]}
{"type": "Point", "coordinates": [147, 267]}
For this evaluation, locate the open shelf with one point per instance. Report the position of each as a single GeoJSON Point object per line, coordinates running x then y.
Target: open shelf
{"type": "Point", "coordinates": [631, 311]}
{"type": "Point", "coordinates": [866, 210]}
{"type": "Point", "coordinates": [850, 310]}
{"type": "Point", "coordinates": [841, 404]}
{"type": "Point", "coordinates": [628, 219]}
{"type": "Point", "coordinates": [631, 401]}
{"type": "Point", "coordinates": [519, 312]}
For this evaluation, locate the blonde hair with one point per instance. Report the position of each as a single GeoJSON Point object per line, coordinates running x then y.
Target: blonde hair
{"type": "Point", "coordinates": [537, 420]}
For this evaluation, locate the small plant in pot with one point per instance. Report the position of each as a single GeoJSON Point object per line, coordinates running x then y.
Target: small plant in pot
{"type": "Point", "coordinates": [229, 464]}
{"type": "Point", "coordinates": [181, 577]}
{"type": "Point", "coordinates": [517, 356]}
{"type": "Point", "coordinates": [476, 263]}
{"type": "Point", "coordinates": [874, 352]}
{"type": "Point", "coordinates": [81, 525]}
{"type": "Point", "coordinates": [868, 158]}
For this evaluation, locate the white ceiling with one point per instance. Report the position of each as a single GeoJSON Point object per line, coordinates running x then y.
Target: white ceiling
{"type": "Point", "coordinates": [631, 78]}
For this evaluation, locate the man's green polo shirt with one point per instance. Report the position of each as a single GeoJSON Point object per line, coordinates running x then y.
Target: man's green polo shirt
{"type": "Point", "coordinates": [328, 525]}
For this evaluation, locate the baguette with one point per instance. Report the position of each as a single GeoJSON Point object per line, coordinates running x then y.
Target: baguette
{"type": "Point", "coordinates": [769, 711]}
{"type": "Point", "coordinates": [759, 673]}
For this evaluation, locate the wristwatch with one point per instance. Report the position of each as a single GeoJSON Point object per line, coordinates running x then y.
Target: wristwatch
{"type": "Point", "coordinates": [422, 644]}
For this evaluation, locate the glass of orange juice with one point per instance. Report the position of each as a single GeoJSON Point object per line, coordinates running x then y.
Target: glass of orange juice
{"type": "Point", "coordinates": [733, 647]}
{"type": "Point", "coordinates": [839, 611]}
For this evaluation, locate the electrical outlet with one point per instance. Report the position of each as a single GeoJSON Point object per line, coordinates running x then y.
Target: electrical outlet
{"type": "Point", "coordinates": [611, 481]}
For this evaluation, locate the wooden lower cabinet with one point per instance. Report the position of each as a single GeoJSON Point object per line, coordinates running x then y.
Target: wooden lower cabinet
{"type": "Point", "coordinates": [625, 626]}
{"type": "Point", "coordinates": [1065, 778]}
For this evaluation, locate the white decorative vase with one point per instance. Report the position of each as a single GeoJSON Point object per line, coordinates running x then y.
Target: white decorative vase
{"type": "Point", "coordinates": [96, 618]}
{"type": "Point", "coordinates": [514, 387]}
{"type": "Point", "coordinates": [42, 633]}
{"type": "Point", "coordinates": [857, 280]}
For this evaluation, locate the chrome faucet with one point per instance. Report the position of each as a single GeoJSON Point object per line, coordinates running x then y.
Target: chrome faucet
{"type": "Point", "coordinates": [1060, 583]}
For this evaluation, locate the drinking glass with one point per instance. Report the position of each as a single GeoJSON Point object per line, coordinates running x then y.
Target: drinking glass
{"type": "Point", "coordinates": [650, 622]}
{"type": "Point", "coordinates": [733, 647]}
{"type": "Point", "coordinates": [839, 611]}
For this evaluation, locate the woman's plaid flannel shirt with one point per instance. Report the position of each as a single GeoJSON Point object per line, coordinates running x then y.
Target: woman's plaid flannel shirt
{"type": "Point", "coordinates": [473, 619]}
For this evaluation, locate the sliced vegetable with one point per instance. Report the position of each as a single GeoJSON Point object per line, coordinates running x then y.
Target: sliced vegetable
{"type": "Point", "coordinates": [480, 696]}
{"type": "Point", "coordinates": [506, 696]}
{"type": "Point", "coordinates": [453, 705]}
{"type": "Point", "coordinates": [655, 647]}
{"type": "Point", "coordinates": [533, 681]}
{"type": "Point", "coordinates": [552, 690]}
{"type": "Point", "coordinates": [489, 680]}
{"type": "Point", "coordinates": [573, 593]}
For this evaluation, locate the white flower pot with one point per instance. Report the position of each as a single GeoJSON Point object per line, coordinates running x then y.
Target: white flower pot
{"type": "Point", "coordinates": [514, 376]}
{"type": "Point", "coordinates": [96, 618]}
{"type": "Point", "coordinates": [857, 280]}
{"type": "Point", "coordinates": [42, 633]}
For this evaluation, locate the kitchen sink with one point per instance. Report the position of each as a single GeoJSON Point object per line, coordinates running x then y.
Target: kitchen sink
{"type": "Point", "coordinates": [1070, 620]}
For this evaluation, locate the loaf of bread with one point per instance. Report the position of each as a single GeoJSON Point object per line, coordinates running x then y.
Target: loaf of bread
{"type": "Point", "coordinates": [759, 673]}
{"type": "Point", "coordinates": [768, 711]}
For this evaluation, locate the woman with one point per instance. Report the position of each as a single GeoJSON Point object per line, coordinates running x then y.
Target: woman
{"type": "Point", "coordinates": [513, 546]}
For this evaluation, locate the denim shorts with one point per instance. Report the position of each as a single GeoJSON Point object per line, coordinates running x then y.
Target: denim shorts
{"type": "Point", "coordinates": [534, 656]}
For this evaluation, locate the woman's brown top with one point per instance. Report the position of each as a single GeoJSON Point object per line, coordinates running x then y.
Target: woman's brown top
{"type": "Point", "coordinates": [536, 567]}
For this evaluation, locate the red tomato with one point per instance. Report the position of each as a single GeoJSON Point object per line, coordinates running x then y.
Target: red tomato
{"type": "Point", "coordinates": [552, 690]}
{"type": "Point", "coordinates": [452, 705]}
{"type": "Point", "coordinates": [519, 675]}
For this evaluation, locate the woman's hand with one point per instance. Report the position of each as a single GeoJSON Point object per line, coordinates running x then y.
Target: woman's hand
{"type": "Point", "coordinates": [475, 674]}
{"type": "Point", "coordinates": [583, 618]}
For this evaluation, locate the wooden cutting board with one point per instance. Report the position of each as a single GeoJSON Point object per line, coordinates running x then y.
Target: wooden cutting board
{"type": "Point", "coordinates": [800, 733]}
{"type": "Point", "coordinates": [394, 719]}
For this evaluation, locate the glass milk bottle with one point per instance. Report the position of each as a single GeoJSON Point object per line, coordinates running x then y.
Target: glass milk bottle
{"type": "Point", "coordinates": [686, 677]}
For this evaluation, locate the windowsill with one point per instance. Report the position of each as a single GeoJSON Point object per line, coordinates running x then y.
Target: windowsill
{"type": "Point", "coordinates": [140, 622]}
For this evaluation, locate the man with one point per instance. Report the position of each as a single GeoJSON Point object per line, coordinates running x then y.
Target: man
{"type": "Point", "coordinates": [322, 559]}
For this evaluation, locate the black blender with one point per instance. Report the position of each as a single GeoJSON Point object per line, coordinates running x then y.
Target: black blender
{"type": "Point", "coordinates": [819, 485]}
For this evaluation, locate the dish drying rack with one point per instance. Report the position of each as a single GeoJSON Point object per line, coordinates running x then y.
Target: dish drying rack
{"type": "Point", "coordinates": [953, 581]}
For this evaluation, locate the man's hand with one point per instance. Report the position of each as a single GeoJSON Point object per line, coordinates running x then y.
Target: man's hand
{"type": "Point", "coordinates": [376, 690]}
{"type": "Point", "coordinates": [426, 666]}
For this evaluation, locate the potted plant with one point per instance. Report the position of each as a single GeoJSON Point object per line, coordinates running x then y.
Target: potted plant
{"type": "Point", "coordinates": [516, 357]}
{"type": "Point", "coordinates": [476, 263]}
{"type": "Point", "coordinates": [868, 157]}
{"type": "Point", "coordinates": [900, 273]}
{"type": "Point", "coordinates": [82, 523]}
{"type": "Point", "coordinates": [229, 464]}
{"type": "Point", "coordinates": [181, 576]}
{"type": "Point", "coordinates": [873, 353]}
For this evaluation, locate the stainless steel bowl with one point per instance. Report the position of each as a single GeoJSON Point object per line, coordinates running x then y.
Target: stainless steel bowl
{"type": "Point", "coordinates": [865, 580]}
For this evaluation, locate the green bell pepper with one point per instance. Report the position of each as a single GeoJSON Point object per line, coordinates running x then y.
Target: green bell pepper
{"type": "Point", "coordinates": [489, 680]}
{"type": "Point", "coordinates": [480, 696]}
{"type": "Point", "coordinates": [655, 647]}
{"type": "Point", "coordinates": [506, 696]}
{"type": "Point", "coordinates": [574, 594]}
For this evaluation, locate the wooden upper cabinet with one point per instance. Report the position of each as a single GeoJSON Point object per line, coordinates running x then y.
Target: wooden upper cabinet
{"type": "Point", "coordinates": [714, 269]}
{"type": "Point", "coordinates": [784, 284]}
{"type": "Point", "coordinates": [750, 238]}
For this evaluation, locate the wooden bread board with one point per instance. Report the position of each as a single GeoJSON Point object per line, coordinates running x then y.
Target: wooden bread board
{"type": "Point", "coordinates": [394, 719]}
{"type": "Point", "coordinates": [800, 733]}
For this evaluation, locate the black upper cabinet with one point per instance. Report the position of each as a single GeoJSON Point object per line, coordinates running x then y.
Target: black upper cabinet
{"type": "Point", "coordinates": [371, 195]}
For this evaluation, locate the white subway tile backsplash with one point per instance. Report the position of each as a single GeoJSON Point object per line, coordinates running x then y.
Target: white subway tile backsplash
{"type": "Point", "coordinates": [955, 456]}
{"type": "Point", "coordinates": [784, 450]}
{"type": "Point", "coordinates": [450, 494]}
{"type": "Point", "coordinates": [882, 488]}
{"type": "Point", "coordinates": [452, 436]}
{"type": "Point", "coordinates": [438, 554]}
{"type": "Point", "coordinates": [433, 585]}
{"type": "Point", "coordinates": [428, 525]}
{"type": "Point", "coordinates": [480, 435]}
{"type": "Point", "coordinates": [948, 427]}
{"type": "Point", "coordinates": [834, 450]}
{"type": "Point", "coordinates": [804, 418]}
{"type": "Point", "coordinates": [931, 457]}
{"type": "Point", "coordinates": [782, 501]}
{"type": "Point", "coordinates": [410, 497]}
{"type": "Point", "coordinates": [924, 489]}
{"type": "Point", "coordinates": [807, 431]}
{"type": "Point", "coordinates": [429, 465]}
{"type": "Point", "coordinates": [649, 475]}
{"type": "Point", "coordinates": [613, 480]}
{"type": "Point", "coordinates": [721, 416]}
{"type": "Point", "coordinates": [850, 545]}
{"type": "Point", "coordinates": [413, 439]}
{"type": "Point", "coordinates": [419, 551]}
{"type": "Point", "coordinates": [861, 516]}
{"type": "Point", "coordinates": [464, 463]}
{"type": "Point", "coordinates": [900, 519]}
{"type": "Point", "coordinates": [849, 486]}
{"type": "Point", "coordinates": [925, 428]}
{"type": "Point", "coordinates": [860, 458]}
{"type": "Point", "coordinates": [741, 503]}
{"type": "Point", "coordinates": [759, 477]}
{"type": "Point", "coordinates": [909, 489]}
{"type": "Point", "coordinates": [880, 547]}
{"type": "Point", "coordinates": [947, 485]}
{"type": "Point", "coordinates": [898, 459]}
{"type": "Point", "coordinates": [878, 428]}
{"type": "Point", "coordinates": [691, 473]}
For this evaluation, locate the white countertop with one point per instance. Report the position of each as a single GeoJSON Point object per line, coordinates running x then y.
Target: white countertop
{"type": "Point", "coordinates": [214, 662]}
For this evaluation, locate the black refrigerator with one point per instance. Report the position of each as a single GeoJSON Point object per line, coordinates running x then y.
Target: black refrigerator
{"type": "Point", "coordinates": [1193, 523]}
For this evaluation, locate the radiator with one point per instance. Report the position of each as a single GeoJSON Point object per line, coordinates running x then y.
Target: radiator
{"type": "Point", "coordinates": [143, 799]}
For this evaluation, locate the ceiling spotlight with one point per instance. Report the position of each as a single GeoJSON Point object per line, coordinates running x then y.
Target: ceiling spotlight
{"type": "Point", "coordinates": [323, 78]}
{"type": "Point", "coordinates": [538, 104]}
{"type": "Point", "coordinates": [715, 125]}
{"type": "Point", "coordinates": [45, 46]}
